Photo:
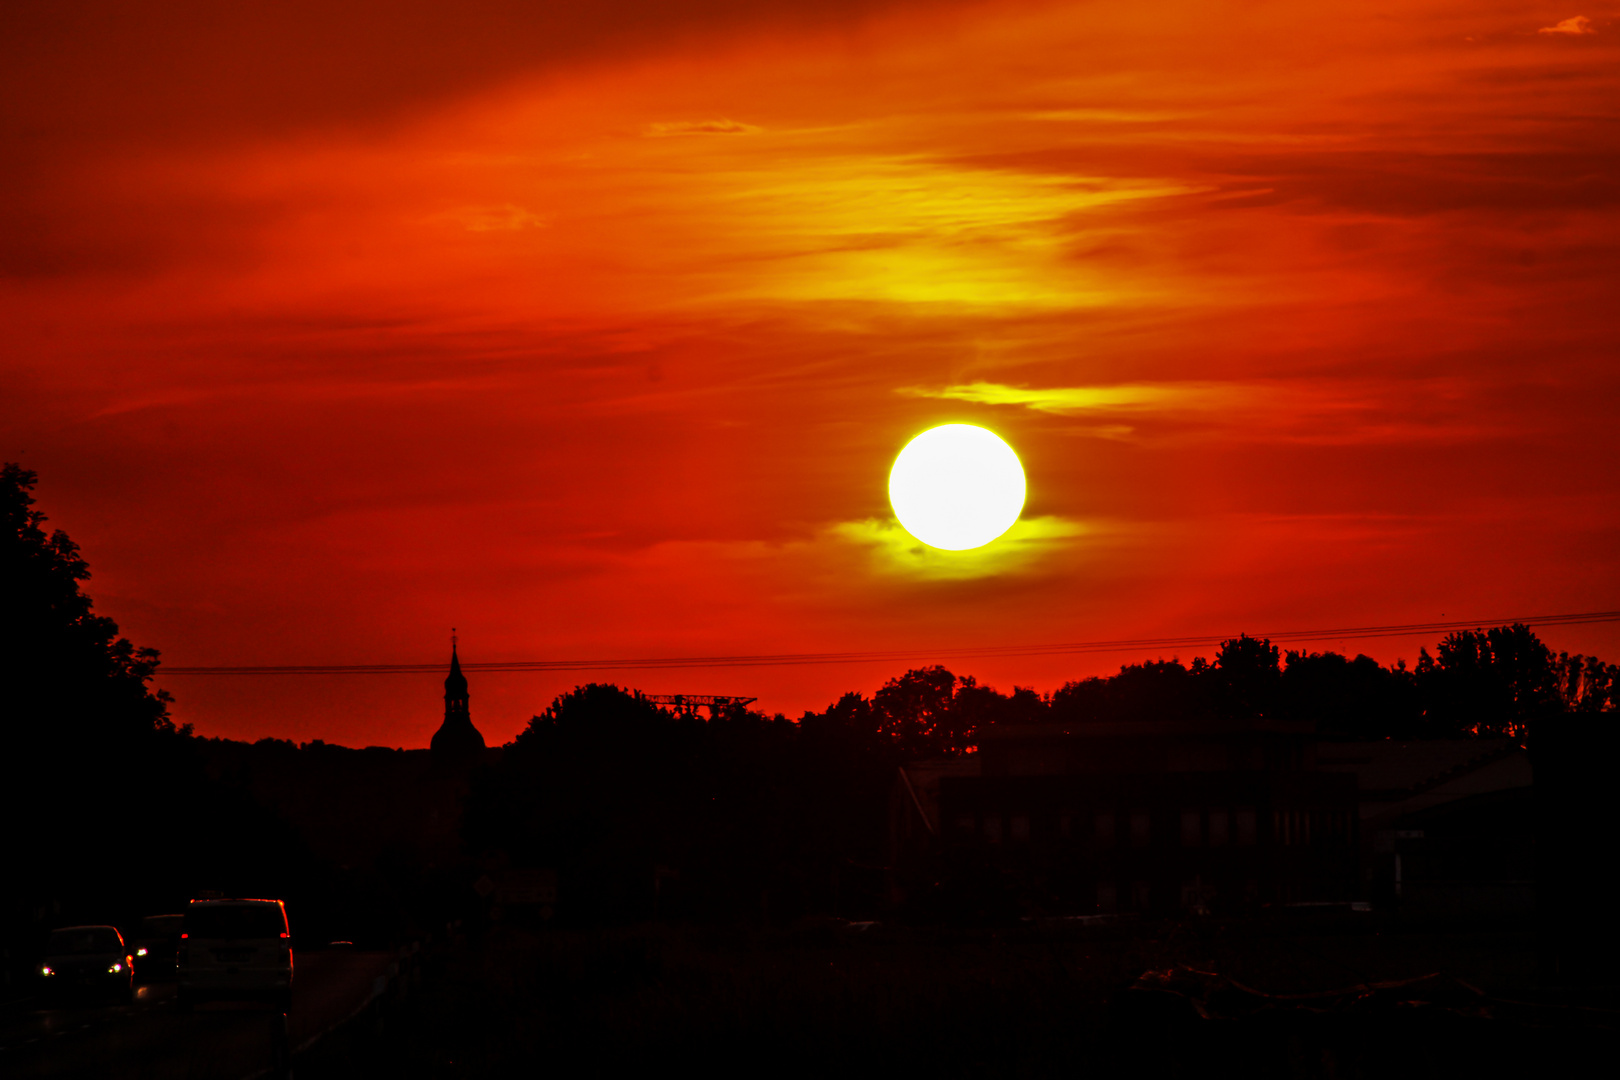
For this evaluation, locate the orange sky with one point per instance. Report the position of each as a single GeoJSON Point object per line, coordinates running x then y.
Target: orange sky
{"type": "Point", "coordinates": [594, 334]}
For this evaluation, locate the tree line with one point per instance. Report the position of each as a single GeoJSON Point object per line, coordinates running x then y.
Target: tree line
{"type": "Point", "coordinates": [110, 803]}
{"type": "Point", "coordinates": [1499, 682]}
{"type": "Point", "coordinates": [638, 806]}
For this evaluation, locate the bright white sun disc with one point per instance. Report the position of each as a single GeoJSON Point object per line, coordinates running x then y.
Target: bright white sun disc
{"type": "Point", "coordinates": [957, 487]}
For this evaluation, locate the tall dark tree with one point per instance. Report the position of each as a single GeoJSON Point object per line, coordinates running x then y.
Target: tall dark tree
{"type": "Point", "coordinates": [84, 733]}
{"type": "Point", "coordinates": [106, 805]}
{"type": "Point", "coordinates": [68, 674]}
{"type": "Point", "coordinates": [1245, 678]}
{"type": "Point", "coordinates": [1499, 682]}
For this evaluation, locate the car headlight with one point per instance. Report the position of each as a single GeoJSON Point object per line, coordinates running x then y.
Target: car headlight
{"type": "Point", "coordinates": [115, 969]}
{"type": "Point", "coordinates": [140, 952]}
{"type": "Point", "coordinates": [46, 971]}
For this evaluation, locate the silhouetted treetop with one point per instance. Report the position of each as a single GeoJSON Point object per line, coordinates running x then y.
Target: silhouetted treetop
{"type": "Point", "coordinates": [64, 664]}
{"type": "Point", "coordinates": [914, 711]}
{"type": "Point", "coordinates": [1351, 698]}
{"type": "Point", "coordinates": [1503, 681]}
{"type": "Point", "coordinates": [1151, 690]}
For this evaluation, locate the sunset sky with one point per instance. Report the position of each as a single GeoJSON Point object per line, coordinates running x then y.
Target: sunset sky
{"type": "Point", "coordinates": [593, 330]}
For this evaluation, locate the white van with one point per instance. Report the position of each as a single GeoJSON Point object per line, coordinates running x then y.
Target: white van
{"type": "Point", "coordinates": [235, 950]}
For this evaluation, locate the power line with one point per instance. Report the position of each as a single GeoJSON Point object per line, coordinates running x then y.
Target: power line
{"type": "Point", "coordinates": [896, 655]}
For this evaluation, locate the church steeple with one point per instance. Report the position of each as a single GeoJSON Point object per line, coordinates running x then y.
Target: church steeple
{"type": "Point", "coordinates": [455, 687]}
{"type": "Point", "coordinates": [456, 737]}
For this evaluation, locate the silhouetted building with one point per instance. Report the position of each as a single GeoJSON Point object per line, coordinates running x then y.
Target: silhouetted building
{"type": "Point", "coordinates": [456, 740]}
{"type": "Point", "coordinates": [1577, 820]}
{"type": "Point", "coordinates": [1447, 825]}
{"type": "Point", "coordinates": [1146, 816]}
{"type": "Point", "coordinates": [1158, 816]}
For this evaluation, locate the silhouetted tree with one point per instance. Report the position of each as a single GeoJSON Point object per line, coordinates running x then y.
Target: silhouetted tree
{"type": "Point", "coordinates": [929, 712]}
{"type": "Point", "coordinates": [107, 806]}
{"type": "Point", "coordinates": [1156, 689]}
{"type": "Point", "coordinates": [1351, 699]}
{"type": "Point", "coordinates": [82, 728]}
{"type": "Point", "coordinates": [623, 798]}
{"type": "Point", "coordinates": [66, 668]}
{"type": "Point", "coordinates": [850, 721]}
{"type": "Point", "coordinates": [914, 712]}
{"type": "Point", "coordinates": [1499, 682]}
{"type": "Point", "coordinates": [1586, 684]}
{"type": "Point", "coordinates": [1245, 680]}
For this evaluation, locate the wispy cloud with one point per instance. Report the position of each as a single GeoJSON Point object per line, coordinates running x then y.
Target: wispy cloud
{"type": "Point", "coordinates": [1330, 412]}
{"type": "Point", "coordinates": [1065, 400]}
{"type": "Point", "coordinates": [896, 552]}
{"type": "Point", "coordinates": [668, 128]}
{"type": "Point", "coordinates": [506, 217]}
{"type": "Point", "coordinates": [1577, 25]}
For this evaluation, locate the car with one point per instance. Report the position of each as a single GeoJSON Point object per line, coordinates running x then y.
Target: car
{"type": "Point", "coordinates": [235, 950]}
{"type": "Point", "coordinates": [87, 963]}
{"type": "Point", "coordinates": [157, 943]}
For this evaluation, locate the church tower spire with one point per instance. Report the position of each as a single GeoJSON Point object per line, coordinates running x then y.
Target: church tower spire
{"type": "Point", "coordinates": [456, 737]}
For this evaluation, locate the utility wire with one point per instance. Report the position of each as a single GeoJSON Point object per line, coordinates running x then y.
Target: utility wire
{"type": "Point", "coordinates": [892, 655]}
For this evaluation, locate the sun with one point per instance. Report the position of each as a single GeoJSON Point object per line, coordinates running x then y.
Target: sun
{"type": "Point", "coordinates": [957, 487]}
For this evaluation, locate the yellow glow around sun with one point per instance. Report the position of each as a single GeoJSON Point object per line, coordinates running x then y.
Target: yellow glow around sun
{"type": "Point", "coordinates": [957, 487]}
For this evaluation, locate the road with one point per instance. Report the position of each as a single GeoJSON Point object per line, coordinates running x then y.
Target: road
{"type": "Point", "coordinates": [150, 1039]}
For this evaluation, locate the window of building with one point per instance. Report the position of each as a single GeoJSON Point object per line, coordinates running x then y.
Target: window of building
{"type": "Point", "coordinates": [1105, 829]}
{"type": "Point", "coordinates": [1192, 828]}
{"type": "Point", "coordinates": [1292, 827]}
{"type": "Point", "coordinates": [965, 822]}
{"type": "Point", "coordinates": [1141, 828]}
{"type": "Point", "coordinates": [1065, 824]}
{"type": "Point", "coordinates": [1141, 895]}
{"type": "Point", "coordinates": [1219, 828]}
{"type": "Point", "coordinates": [1018, 827]}
{"type": "Point", "coordinates": [1244, 819]}
{"type": "Point", "coordinates": [992, 828]}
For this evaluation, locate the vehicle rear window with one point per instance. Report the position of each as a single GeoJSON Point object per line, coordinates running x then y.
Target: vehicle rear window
{"type": "Point", "coordinates": [95, 939]}
{"type": "Point", "coordinates": [161, 925]}
{"type": "Point", "coordinates": [236, 921]}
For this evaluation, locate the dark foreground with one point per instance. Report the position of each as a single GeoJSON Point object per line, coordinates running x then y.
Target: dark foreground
{"type": "Point", "coordinates": [1034, 1001]}
{"type": "Point", "coordinates": [153, 1040]}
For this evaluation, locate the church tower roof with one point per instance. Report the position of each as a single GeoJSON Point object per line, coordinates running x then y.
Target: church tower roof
{"type": "Point", "coordinates": [455, 684]}
{"type": "Point", "coordinates": [456, 739]}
